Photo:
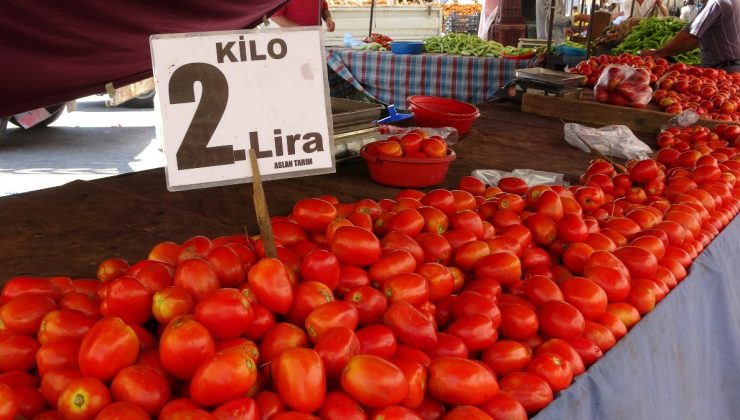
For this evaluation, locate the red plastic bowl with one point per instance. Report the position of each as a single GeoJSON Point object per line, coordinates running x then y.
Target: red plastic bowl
{"type": "Point", "coordinates": [405, 172]}
{"type": "Point", "coordinates": [435, 111]}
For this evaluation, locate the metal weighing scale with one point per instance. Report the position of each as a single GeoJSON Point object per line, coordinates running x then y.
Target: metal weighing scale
{"type": "Point", "coordinates": [543, 81]}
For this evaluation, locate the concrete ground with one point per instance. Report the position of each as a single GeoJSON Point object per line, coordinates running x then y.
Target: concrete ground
{"type": "Point", "coordinates": [92, 142]}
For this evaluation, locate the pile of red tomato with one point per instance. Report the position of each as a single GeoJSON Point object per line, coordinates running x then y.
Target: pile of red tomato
{"type": "Point", "coordinates": [711, 93]}
{"type": "Point", "coordinates": [414, 145]}
{"type": "Point", "coordinates": [474, 303]}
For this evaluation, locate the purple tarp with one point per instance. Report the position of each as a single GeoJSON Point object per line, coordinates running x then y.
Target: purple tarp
{"type": "Point", "coordinates": [56, 51]}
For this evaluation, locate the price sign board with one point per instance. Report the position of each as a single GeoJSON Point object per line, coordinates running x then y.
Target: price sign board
{"type": "Point", "coordinates": [223, 93]}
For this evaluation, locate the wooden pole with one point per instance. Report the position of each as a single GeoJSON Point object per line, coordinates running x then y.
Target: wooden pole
{"type": "Point", "coordinates": [260, 206]}
{"type": "Point", "coordinates": [372, 10]}
{"type": "Point", "coordinates": [589, 35]}
{"type": "Point", "coordinates": [550, 22]}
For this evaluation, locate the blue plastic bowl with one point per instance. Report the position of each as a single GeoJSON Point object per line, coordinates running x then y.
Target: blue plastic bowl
{"type": "Point", "coordinates": [407, 47]}
{"type": "Point", "coordinates": [570, 51]}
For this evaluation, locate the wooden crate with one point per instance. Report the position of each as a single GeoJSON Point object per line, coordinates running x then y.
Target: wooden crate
{"type": "Point", "coordinates": [594, 113]}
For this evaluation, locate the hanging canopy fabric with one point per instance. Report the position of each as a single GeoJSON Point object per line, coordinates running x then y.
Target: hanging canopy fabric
{"type": "Point", "coordinates": [53, 52]}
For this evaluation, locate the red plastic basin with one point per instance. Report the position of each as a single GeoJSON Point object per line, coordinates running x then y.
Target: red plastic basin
{"type": "Point", "coordinates": [405, 172]}
{"type": "Point", "coordinates": [435, 111]}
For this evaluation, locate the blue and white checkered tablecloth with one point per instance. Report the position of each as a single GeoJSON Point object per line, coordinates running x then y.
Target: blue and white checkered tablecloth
{"type": "Point", "coordinates": [391, 78]}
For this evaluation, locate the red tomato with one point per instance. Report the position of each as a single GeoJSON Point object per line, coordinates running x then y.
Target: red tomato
{"type": "Point", "coordinates": [566, 351]}
{"type": "Point", "coordinates": [513, 185]}
{"type": "Point", "coordinates": [307, 296]}
{"type": "Point", "coordinates": [503, 407]}
{"type": "Point", "coordinates": [460, 381]}
{"type": "Point", "coordinates": [314, 214]}
{"type": "Point", "coordinates": [298, 375]}
{"type": "Point", "coordinates": [599, 335]}
{"type": "Point", "coordinates": [62, 325]}
{"type": "Point", "coordinates": [416, 376]}
{"type": "Point", "coordinates": [448, 345]}
{"type": "Point", "coordinates": [350, 277]}
{"type": "Point", "coordinates": [270, 281]}
{"type": "Point", "coordinates": [166, 252]}
{"type": "Point", "coordinates": [154, 275]}
{"type": "Point", "coordinates": [626, 313]}
{"type": "Point", "coordinates": [588, 351]}
{"type": "Point", "coordinates": [410, 325]}
{"type": "Point", "coordinates": [613, 283]}
{"type": "Point", "coordinates": [340, 406]}
{"type": "Point", "coordinates": [280, 337]}
{"type": "Point", "coordinates": [185, 344]}
{"type": "Point", "coordinates": [402, 241]}
{"type": "Point", "coordinates": [518, 321]}
{"type": "Point", "coordinates": [355, 245]}
{"type": "Point", "coordinates": [588, 297]}
{"type": "Point", "coordinates": [226, 313]}
{"type": "Point", "coordinates": [170, 303]}
{"type": "Point", "coordinates": [321, 266]}
{"type": "Point", "coordinates": [472, 185]}
{"type": "Point", "coordinates": [507, 356]}
{"type": "Point", "coordinates": [407, 287]}
{"type": "Point", "coordinates": [549, 204]}
{"type": "Point", "coordinates": [394, 263]}
{"type": "Point", "coordinates": [196, 246]}
{"type": "Point", "coordinates": [378, 340]}
{"type": "Point", "coordinates": [197, 277]}
{"type": "Point", "coordinates": [23, 314]}
{"type": "Point", "coordinates": [82, 302]}
{"type": "Point", "coordinates": [122, 410]}
{"type": "Point", "coordinates": [228, 265]}
{"type": "Point", "coordinates": [57, 355]}
{"type": "Point", "coordinates": [142, 386]}
{"type": "Point", "coordinates": [504, 267]}
{"type": "Point", "coordinates": [544, 230]}
{"type": "Point", "coordinates": [560, 320]}
{"type": "Point", "coordinates": [238, 409]}
{"type": "Point", "coordinates": [19, 378]}
{"type": "Point", "coordinates": [436, 247]}
{"type": "Point", "coordinates": [177, 405]}
{"type": "Point", "coordinates": [639, 262]}
{"type": "Point", "coordinates": [434, 147]}
{"type": "Point", "coordinates": [227, 375]}
{"type": "Point", "coordinates": [53, 383]}
{"type": "Point", "coordinates": [336, 347]}
{"type": "Point", "coordinates": [553, 369]}
{"type": "Point", "coordinates": [9, 407]}
{"type": "Point", "coordinates": [465, 412]}
{"type": "Point", "coordinates": [540, 289]}
{"type": "Point", "coordinates": [374, 382]}
{"type": "Point", "coordinates": [530, 390]}
{"type": "Point", "coordinates": [370, 303]}
{"type": "Point", "coordinates": [22, 285]}
{"type": "Point", "coordinates": [108, 347]}
{"type": "Point", "coordinates": [477, 331]}
{"type": "Point", "coordinates": [440, 199]}
{"type": "Point", "coordinates": [83, 398]}
{"type": "Point", "coordinates": [329, 315]}
{"type": "Point", "coordinates": [30, 401]}
{"type": "Point", "coordinates": [440, 280]}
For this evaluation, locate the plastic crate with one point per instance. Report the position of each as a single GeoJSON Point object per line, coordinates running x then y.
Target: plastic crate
{"type": "Point", "coordinates": [457, 23]}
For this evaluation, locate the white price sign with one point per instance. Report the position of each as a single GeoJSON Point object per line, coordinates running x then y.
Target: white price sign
{"type": "Point", "coordinates": [223, 93]}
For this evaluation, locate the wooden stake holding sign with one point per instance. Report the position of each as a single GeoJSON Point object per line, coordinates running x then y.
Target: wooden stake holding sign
{"type": "Point", "coordinates": [260, 206]}
{"type": "Point", "coordinates": [262, 93]}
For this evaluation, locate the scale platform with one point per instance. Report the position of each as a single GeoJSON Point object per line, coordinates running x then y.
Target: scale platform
{"type": "Point", "coordinates": [543, 81]}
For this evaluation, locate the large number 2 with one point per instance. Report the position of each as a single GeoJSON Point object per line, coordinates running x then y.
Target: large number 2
{"type": "Point", "coordinates": [194, 151]}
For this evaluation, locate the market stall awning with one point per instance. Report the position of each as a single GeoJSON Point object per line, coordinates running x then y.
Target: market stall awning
{"type": "Point", "coordinates": [54, 52]}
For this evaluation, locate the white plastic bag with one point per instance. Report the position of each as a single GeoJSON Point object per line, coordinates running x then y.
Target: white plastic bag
{"type": "Point", "coordinates": [622, 85]}
{"type": "Point", "coordinates": [611, 141]}
{"type": "Point", "coordinates": [530, 176]}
